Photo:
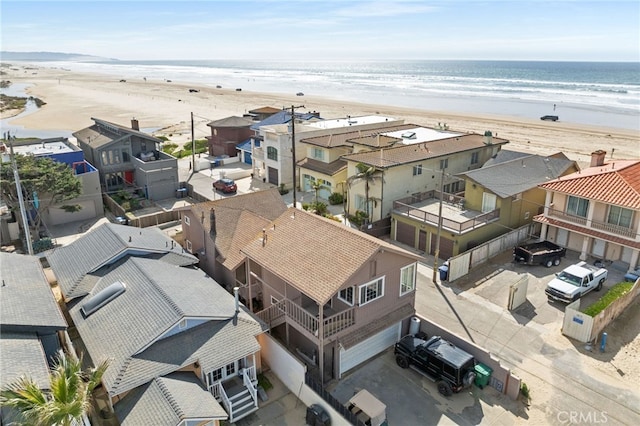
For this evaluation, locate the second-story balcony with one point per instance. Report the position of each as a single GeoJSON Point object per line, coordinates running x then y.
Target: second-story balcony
{"type": "Point", "coordinates": [600, 226]}
{"type": "Point", "coordinates": [425, 207]}
{"type": "Point", "coordinates": [307, 317]}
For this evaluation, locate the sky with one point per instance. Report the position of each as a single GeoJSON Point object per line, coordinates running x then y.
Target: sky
{"type": "Point", "coordinates": [560, 30]}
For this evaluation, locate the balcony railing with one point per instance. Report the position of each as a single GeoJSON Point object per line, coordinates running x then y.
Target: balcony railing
{"type": "Point", "coordinates": [451, 225]}
{"type": "Point", "coordinates": [274, 315]}
{"type": "Point", "coordinates": [601, 226]}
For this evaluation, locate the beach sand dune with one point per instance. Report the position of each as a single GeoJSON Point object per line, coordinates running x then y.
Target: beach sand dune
{"type": "Point", "coordinates": [165, 108]}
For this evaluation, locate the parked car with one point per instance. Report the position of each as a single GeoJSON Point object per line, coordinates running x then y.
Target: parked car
{"type": "Point", "coordinates": [575, 281]}
{"type": "Point", "coordinates": [193, 90]}
{"type": "Point", "coordinates": [228, 186]}
{"type": "Point", "coordinates": [549, 118]}
{"type": "Point", "coordinates": [449, 366]}
{"type": "Point", "coordinates": [539, 253]}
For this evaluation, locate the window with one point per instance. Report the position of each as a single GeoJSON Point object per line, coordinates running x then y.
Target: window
{"type": "Point", "coordinates": [407, 279]}
{"type": "Point", "coordinates": [126, 156]}
{"type": "Point", "coordinates": [231, 368]}
{"type": "Point", "coordinates": [444, 164]}
{"type": "Point", "coordinates": [272, 153]}
{"type": "Point", "coordinates": [187, 220]}
{"type": "Point", "coordinates": [619, 216]}
{"type": "Point", "coordinates": [110, 156]}
{"type": "Point", "coordinates": [488, 202]}
{"type": "Point", "coordinates": [318, 153]}
{"type": "Point", "coordinates": [189, 247]}
{"type": "Point", "coordinates": [215, 376]}
{"type": "Point", "coordinates": [577, 206]}
{"type": "Point", "coordinates": [417, 170]}
{"type": "Point", "coordinates": [371, 291]}
{"type": "Point", "coordinates": [474, 158]}
{"type": "Point", "coordinates": [346, 295]}
{"type": "Point", "coordinates": [361, 203]}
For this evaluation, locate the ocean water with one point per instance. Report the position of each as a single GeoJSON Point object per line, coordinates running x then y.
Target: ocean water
{"type": "Point", "coordinates": [594, 93]}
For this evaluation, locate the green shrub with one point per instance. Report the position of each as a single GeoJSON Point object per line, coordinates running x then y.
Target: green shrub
{"type": "Point", "coordinates": [609, 297]}
{"type": "Point", "coordinates": [264, 382]}
{"type": "Point", "coordinates": [336, 198]}
{"type": "Point", "coordinates": [283, 190]}
{"type": "Point", "coordinates": [525, 392]}
{"type": "Point", "coordinates": [359, 218]}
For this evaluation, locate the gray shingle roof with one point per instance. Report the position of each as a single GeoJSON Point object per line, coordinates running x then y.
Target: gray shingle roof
{"type": "Point", "coordinates": [508, 178]}
{"type": "Point", "coordinates": [106, 244]}
{"type": "Point", "coordinates": [322, 167]}
{"type": "Point", "coordinates": [233, 121]}
{"type": "Point", "coordinates": [103, 133]}
{"type": "Point", "coordinates": [157, 297]}
{"type": "Point", "coordinates": [22, 355]}
{"type": "Point", "coordinates": [26, 299]}
{"type": "Point", "coordinates": [298, 243]}
{"type": "Point", "coordinates": [166, 401]}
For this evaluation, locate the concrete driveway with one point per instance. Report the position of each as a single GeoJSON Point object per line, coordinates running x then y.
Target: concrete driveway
{"type": "Point", "coordinates": [413, 399]}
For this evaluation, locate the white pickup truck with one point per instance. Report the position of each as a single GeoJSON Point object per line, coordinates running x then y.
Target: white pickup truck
{"type": "Point", "coordinates": [575, 281]}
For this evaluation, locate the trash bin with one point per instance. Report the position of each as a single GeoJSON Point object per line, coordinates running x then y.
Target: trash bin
{"type": "Point", "coordinates": [444, 272]}
{"type": "Point", "coordinates": [483, 374]}
{"type": "Point", "coordinates": [317, 416]}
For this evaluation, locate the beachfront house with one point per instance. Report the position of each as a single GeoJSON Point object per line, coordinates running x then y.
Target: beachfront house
{"type": "Point", "coordinates": [227, 133]}
{"type": "Point", "coordinates": [272, 150]}
{"type": "Point", "coordinates": [129, 159]}
{"type": "Point", "coordinates": [194, 350]}
{"type": "Point", "coordinates": [215, 231]}
{"type": "Point", "coordinates": [398, 170]}
{"type": "Point", "coordinates": [89, 203]}
{"type": "Point", "coordinates": [33, 327]}
{"type": "Point", "coordinates": [596, 211]}
{"type": "Point", "coordinates": [332, 295]}
{"type": "Point", "coordinates": [324, 171]}
{"type": "Point", "coordinates": [501, 196]}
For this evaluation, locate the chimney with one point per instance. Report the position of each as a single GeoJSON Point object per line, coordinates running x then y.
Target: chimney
{"type": "Point", "coordinates": [212, 221]}
{"type": "Point", "coordinates": [597, 158]}
{"type": "Point", "coordinates": [134, 124]}
{"type": "Point", "coordinates": [235, 295]}
{"type": "Point", "coordinates": [488, 137]}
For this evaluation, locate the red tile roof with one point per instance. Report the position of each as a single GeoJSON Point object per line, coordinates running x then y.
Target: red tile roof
{"type": "Point", "coordinates": [617, 183]}
{"type": "Point", "coordinates": [586, 231]}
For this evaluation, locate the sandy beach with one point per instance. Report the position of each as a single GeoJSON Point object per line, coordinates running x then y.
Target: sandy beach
{"type": "Point", "coordinates": [72, 99]}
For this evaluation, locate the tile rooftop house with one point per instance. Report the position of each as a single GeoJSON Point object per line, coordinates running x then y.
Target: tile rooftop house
{"type": "Point", "coordinates": [32, 327]}
{"type": "Point", "coordinates": [596, 211]}
{"type": "Point", "coordinates": [500, 196]}
{"type": "Point", "coordinates": [402, 170]}
{"type": "Point", "coordinates": [78, 265]}
{"type": "Point", "coordinates": [129, 158]}
{"type": "Point", "coordinates": [175, 340]}
{"type": "Point", "coordinates": [332, 295]}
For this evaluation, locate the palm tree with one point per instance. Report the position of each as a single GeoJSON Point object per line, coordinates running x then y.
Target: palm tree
{"type": "Point", "coordinates": [67, 401]}
{"type": "Point", "coordinates": [368, 175]}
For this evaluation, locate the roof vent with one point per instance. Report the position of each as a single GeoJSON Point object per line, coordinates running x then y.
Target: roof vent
{"type": "Point", "coordinates": [103, 297]}
{"type": "Point", "coordinates": [409, 135]}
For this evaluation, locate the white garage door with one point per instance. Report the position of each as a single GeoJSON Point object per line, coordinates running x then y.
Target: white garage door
{"type": "Point", "coordinates": [368, 348]}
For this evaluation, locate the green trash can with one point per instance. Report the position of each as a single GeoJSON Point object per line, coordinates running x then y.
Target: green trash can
{"type": "Point", "coordinates": [483, 374]}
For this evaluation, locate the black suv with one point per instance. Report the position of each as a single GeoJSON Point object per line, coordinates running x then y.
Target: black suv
{"type": "Point", "coordinates": [451, 367]}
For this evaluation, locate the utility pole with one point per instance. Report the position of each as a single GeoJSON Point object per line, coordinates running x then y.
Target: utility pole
{"type": "Point", "coordinates": [293, 150]}
{"type": "Point", "coordinates": [193, 147]}
{"type": "Point", "coordinates": [435, 259]}
{"type": "Point", "coordinates": [23, 213]}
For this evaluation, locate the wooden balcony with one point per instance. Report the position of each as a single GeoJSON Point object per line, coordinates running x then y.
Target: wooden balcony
{"type": "Point", "coordinates": [424, 207]}
{"type": "Point", "coordinates": [307, 318]}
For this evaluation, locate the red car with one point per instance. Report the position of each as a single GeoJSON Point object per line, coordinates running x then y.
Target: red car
{"type": "Point", "coordinates": [228, 186]}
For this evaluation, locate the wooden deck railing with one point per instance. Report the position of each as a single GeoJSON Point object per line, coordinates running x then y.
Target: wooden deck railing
{"type": "Point", "coordinates": [458, 227]}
